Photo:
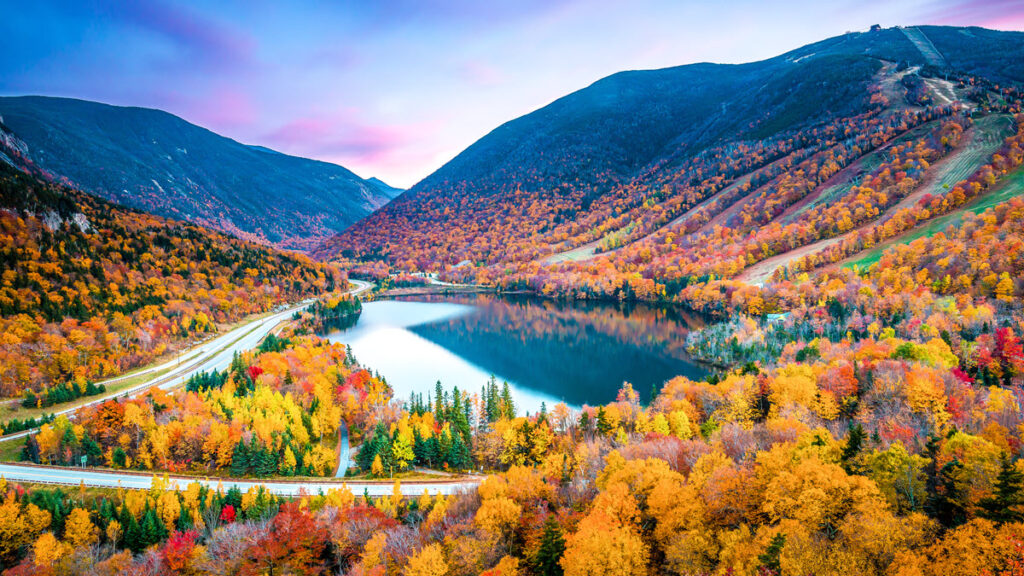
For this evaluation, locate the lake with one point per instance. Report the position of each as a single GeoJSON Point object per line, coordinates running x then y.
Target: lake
{"type": "Point", "coordinates": [577, 353]}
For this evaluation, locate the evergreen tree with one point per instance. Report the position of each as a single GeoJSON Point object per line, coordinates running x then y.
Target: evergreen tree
{"type": "Point", "coordinates": [852, 448]}
{"type": "Point", "coordinates": [1006, 501]}
{"type": "Point", "coordinates": [459, 457]}
{"type": "Point", "coordinates": [508, 407]}
{"type": "Point", "coordinates": [152, 528]}
{"type": "Point", "coordinates": [947, 506]}
{"type": "Point", "coordinates": [584, 423]}
{"type": "Point", "coordinates": [432, 451]}
{"type": "Point", "coordinates": [419, 448]}
{"type": "Point", "coordinates": [119, 457]}
{"type": "Point", "coordinates": [92, 450]}
{"type": "Point", "coordinates": [264, 463]}
{"type": "Point", "coordinates": [133, 539]}
{"type": "Point", "coordinates": [233, 498]}
{"type": "Point", "coordinates": [604, 427]}
{"type": "Point", "coordinates": [439, 408]}
{"type": "Point", "coordinates": [240, 460]}
{"type": "Point", "coordinates": [552, 546]}
{"type": "Point", "coordinates": [770, 558]}
{"type": "Point", "coordinates": [184, 522]}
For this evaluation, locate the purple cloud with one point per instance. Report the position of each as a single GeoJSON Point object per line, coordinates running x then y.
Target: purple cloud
{"type": "Point", "coordinates": [1001, 14]}
{"type": "Point", "coordinates": [200, 41]}
{"type": "Point", "coordinates": [339, 136]}
{"type": "Point", "coordinates": [394, 88]}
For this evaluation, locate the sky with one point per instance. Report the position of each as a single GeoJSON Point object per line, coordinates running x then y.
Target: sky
{"type": "Point", "coordinates": [395, 88]}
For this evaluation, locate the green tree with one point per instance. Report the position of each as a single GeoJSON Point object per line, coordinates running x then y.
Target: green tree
{"type": "Point", "coordinates": [549, 553]}
{"type": "Point", "coordinates": [854, 444]}
{"type": "Point", "coordinates": [1004, 505]}
{"type": "Point", "coordinates": [770, 558]}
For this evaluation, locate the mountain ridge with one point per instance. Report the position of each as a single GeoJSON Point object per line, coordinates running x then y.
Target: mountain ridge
{"type": "Point", "coordinates": [159, 162]}
{"type": "Point", "coordinates": [604, 139]}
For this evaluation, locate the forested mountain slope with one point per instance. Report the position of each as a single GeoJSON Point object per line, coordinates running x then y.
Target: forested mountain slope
{"type": "Point", "coordinates": [89, 288]}
{"type": "Point", "coordinates": [691, 146]}
{"type": "Point", "coordinates": [157, 162]}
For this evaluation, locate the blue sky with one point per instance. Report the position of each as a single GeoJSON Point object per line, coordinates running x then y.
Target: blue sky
{"type": "Point", "coordinates": [395, 88]}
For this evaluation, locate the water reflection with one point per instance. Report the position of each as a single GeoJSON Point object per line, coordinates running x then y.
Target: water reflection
{"type": "Point", "coordinates": [547, 351]}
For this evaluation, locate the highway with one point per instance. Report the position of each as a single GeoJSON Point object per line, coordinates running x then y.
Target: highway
{"type": "Point", "coordinates": [110, 479]}
{"type": "Point", "coordinates": [217, 355]}
{"type": "Point", "coordinates": [213, 355]}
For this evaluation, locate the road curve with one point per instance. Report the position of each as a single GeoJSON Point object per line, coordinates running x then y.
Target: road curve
{"type": "Point", "coordinates": [215, 354]}
{"type": "Point", "coordinates": [112, 479]}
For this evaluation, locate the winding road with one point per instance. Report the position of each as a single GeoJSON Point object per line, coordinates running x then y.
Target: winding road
{"type": "Point", "coordinates": [217, 355]}
{"type": "Point", "coordinates": [213, 355]}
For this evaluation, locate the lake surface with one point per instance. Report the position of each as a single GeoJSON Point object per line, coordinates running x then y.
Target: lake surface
{"type": "Point", "coordinates": [577, 353]}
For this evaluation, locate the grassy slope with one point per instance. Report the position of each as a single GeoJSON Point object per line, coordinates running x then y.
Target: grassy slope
{"type": "Point", "coordinates": [986, 136]}
{"type": "Point", "coordinates": [1013, 186]}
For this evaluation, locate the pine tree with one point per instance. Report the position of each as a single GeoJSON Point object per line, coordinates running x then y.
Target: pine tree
{"type": "Point", "coordinates": [91, 450]}
{"type": "Point", "coordinates": [458, 455]}
{"type": "Point", "coordinates": [432, 452]}
{"type": "Point", "coordinates": [552, 546]}
{"type": "Point", "coordinates": [132, 531]}
{"type": "Point", "coordinates": [439, 408]}
{"type": "Point", "coordinates": [508, 407]}
{"type": "Point", "coordinates": [584, 423]}
{"type": "Point", "coordinates": [852, 448]}
{"type": "Point", "coordinates": [1005, 504]}
{"type": "Point", "coordinates": [947, 505]}
{"type": "Point", "coordinates": [770, 558]}
{"type": "Point", "coordinates": [264, 463]}
{"type": "Point", "coordinates": [184, 522]}
{"type": "Point", "coordinates": [419, 448]}
{"type": "Point", "coordinates": [151, 528]}
{"type": "Point", "coordinates": [233, 498]}
{"type": "Point", "coordinates": [604, 427]}
{"type": "Point", "coordinates": [240, 460]}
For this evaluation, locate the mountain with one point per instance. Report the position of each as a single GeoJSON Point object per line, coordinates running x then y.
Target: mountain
{"type": "Point", "coordinates": [157, 162]}
{"type": "Point", "coordinates": [589, 166]}
{"type": "Point", "coordinates": [90, 288]}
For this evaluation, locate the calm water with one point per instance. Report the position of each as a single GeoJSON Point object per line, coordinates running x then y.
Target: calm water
{"type": "Point", "coordinates": [547, 351]}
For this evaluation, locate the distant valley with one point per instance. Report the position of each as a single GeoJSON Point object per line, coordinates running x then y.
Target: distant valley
{"type": "Point", "coordinates": [155, 161]}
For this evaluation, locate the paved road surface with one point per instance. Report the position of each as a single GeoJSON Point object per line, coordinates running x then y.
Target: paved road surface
{"type": "Point", "coordinates": [344, 453]}
{"type": "Point", "coordinates": [109, 479]}
{"type": "Point", "coordinates": [217, 355]}
{"type": "Point", "coordinates": [213, 355]}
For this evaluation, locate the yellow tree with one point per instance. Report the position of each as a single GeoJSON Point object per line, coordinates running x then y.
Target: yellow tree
{"type": "Point", "coordinates": [428, 562]}
{"type": "Point", "coordinates": [48, 550]}
{"type": "Point", "coordinates": [18, 527]}
{"type": "Point", "coordinates": [602, 545]}
{"type": "Point", "coordinates": [79, 531]}
{"type": "Point", "coordinates": [498, 515]}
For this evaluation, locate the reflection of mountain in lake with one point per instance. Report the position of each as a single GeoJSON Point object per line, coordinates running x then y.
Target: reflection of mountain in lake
{"type": "Point", "coordinates": [580, 352]}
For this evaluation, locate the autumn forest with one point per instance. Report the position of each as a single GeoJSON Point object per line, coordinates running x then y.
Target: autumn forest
{"type": "Point", "coordinates": [841, 227]}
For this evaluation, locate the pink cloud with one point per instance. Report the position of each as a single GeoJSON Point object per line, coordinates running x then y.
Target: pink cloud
{"type": "Point", "coordinates": [228, 107]}
{"type": "Point", "coordinates": [342, 136]}
{"type": "Point", "coordinates": [998, 14]}
{"type": "Point", "coordinates": [481, 73]}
